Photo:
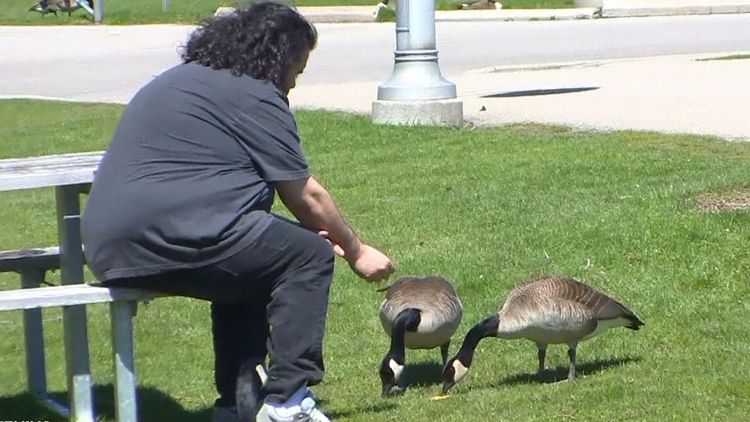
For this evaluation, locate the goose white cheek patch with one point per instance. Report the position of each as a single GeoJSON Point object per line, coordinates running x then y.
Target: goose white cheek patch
{"type": "Point", "coordinates": [396, 368]}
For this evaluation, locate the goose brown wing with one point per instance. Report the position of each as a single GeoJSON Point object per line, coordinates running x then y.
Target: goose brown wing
{"type": "Point", "coordinates": [604, 306]}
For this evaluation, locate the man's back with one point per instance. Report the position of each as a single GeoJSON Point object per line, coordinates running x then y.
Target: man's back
{"type": "Point", "coordinates": [184, 180]}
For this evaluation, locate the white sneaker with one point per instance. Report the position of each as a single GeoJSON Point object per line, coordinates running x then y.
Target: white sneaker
{"type": "Point", "coordinates": [224, 414]}
{"type": "Point", "coordinates": [308, 412]}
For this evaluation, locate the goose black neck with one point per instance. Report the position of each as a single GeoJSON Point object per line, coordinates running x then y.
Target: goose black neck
{"type": "Point", "coordinates": [406, 320]}
{"type": "Point", "coordinates": [249, 392]}
{"type": "Point", "coordinates": [485, 328]}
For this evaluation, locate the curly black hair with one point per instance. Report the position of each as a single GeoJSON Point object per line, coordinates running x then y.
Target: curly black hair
{"type": "Point", "coordinates": [262, 40]}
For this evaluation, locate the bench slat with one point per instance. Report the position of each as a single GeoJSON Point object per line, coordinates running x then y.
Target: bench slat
{"type": "Point", "coordinates": [48, 170]}
{"type": "Point", "coordinates": [25, 259]}
{"type": "Point", "coordinates": [76, 294]}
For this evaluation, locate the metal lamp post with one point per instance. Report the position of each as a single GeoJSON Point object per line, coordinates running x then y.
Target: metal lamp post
{"type": "Point", "coordinates": [417, 93]}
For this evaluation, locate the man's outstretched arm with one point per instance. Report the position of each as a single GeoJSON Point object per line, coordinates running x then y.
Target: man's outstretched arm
{"type": "Point", "coordinates": [314, 207]}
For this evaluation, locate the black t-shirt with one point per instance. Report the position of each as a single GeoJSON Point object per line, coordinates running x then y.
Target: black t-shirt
{"type": "Point", "coordinates": [188, 177]}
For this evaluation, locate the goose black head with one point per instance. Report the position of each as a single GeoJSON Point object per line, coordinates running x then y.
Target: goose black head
{"type": "Point", "coordinates": [249, 395]}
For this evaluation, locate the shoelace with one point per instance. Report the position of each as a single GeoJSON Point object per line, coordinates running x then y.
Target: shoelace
{"type": "Point", "coordinates": [309, 412]}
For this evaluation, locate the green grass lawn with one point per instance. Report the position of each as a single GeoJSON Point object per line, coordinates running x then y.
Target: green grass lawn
{"type": "Point", "coordinates": [487, 208]}
{"type": "Point", "coordinates": [116, 12]}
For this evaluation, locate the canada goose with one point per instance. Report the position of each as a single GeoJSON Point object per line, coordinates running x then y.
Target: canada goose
{"type": "Point", "coordinates": [417, 313]}
{"type": "Point", "coordinates": [52, 6]}
{"type": "Point", "coordinates": [545, 310]}
{"type": "Point", "coordinates": [250, 382]}
{"type": "Point", "coordinates": [478, 5]}
{"type": "Point", "coordinates": [43, 8]}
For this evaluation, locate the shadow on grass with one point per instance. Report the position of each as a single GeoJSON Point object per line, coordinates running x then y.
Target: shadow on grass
{"type": "Point", "coordinates": [157, 406]}
{"type": "Point", "coordinates": [560, 373]}
{"type": "Point", "coordinates": [421, 375]}
{"type": "Point", "coordinates": [361, 409]}
{"type": "Point", "coordinates": [153, 406]}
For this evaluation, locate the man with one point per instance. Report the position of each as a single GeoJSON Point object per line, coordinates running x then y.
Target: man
{"type": "Point", "coordinates": [181, 204]}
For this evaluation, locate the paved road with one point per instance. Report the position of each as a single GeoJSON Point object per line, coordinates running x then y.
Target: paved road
{"type": "Point", "coordinates": [110, 63]}
{"type": "Point", "coordinates": [672, 94]}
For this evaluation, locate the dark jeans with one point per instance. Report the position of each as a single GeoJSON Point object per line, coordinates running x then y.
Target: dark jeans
{"type": "Point", "coordinates": [282, 280]}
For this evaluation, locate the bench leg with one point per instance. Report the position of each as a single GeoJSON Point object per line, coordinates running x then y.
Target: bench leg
{"type": "Point", "coordinates": [121, 317]}
{"type": "Point", "coordinates": [78, 371]}
{"type": "Point", "coordinates": [36, 366]}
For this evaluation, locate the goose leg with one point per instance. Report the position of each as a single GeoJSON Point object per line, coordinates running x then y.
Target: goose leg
{"type": "Point", "coordinates": [444, 351]}
{"type": "Point", "coordinates": [572, 356]}
{"type": "Point", "coordinates": [541, 355]}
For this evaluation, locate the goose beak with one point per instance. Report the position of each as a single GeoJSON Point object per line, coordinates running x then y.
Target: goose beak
{"type": "Point", "coordinates": [447, 385]}
{"type": "Point", "coordinates": [390, 390]}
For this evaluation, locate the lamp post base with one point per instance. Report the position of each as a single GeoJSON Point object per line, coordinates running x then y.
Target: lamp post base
{"type": "Point", "coordinates": [447, 112]}
{"type": "Point", "coordinates": [416, 76]}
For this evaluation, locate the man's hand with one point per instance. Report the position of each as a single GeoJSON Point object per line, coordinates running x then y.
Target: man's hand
{"type": "Point", "coordinates": [371, 264]}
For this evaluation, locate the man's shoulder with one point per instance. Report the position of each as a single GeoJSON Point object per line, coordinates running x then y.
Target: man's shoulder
{"type": "Point", "coordinates": [213, 78]}
{"type": "Point", "coordinates": [221, 88]}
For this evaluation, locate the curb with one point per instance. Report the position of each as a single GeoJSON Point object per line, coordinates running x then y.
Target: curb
{"type": "Point", "coordinates": [340, 18]}
{"type": "Point", "coordinates": [510, 15]}
{"type": "Point", "coordinates": [330, 14]}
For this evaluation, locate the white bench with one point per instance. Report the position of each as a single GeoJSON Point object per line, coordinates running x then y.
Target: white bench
{"type": "Point", "coordinates": [123, 303]}
{"type": "Point", "coordinates": [70, 175]}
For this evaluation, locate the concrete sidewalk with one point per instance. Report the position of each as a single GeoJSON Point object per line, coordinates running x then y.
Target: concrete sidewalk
{"type": "Point", "coordinates": [674, 94]}
{"type": "Point", "coordinates": [598, 9]}
{"type": "Point", "coordinates": [636, 8]}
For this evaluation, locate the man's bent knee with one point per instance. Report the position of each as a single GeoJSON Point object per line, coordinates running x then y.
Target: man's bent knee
{"type": "Point", "coordinates": [322, 262]}
{"type": "Point", "coordinates": [323, 252]}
